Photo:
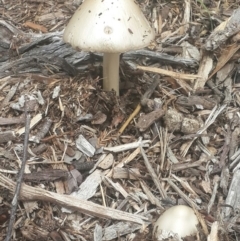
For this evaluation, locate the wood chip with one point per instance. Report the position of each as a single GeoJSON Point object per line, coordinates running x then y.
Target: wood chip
{"type": "Point", "coordinates": [35, 26]}
{"type": "Point", "coordinates": [84, 146]}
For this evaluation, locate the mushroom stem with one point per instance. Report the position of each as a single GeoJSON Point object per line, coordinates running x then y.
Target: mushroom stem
{"type": "Point", "coordinates": [111, 72]}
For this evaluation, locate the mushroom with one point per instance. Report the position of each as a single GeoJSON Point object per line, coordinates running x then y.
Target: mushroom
{"type": "Point", "coordinates": [180, 220]}
{"type": "Point", "coordinates": [111, 27]}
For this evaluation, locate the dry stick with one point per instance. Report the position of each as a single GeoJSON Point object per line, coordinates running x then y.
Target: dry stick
{"type": "Point", "coordinates": [29, 193]}
{"type": "Point", "coordinates": [146, 95]}
{"type": "Point", "coordinates": [168, 73]}
{"type": "Point", "coordinates": [126, 123]}
{"type": "Point", "coordinates": [153, 175]}
{"type": "Point", "coordinates": [20, 177]}
{"type": "Point", "coordinates": [125, 161]}
{"type": "Point", "coordinates": [214, 193]}
{"type": "Point", "coordinates": [182, 195]}
{"type": "Point", "coordinates": [210, 120]}
{"type": "Point", "coordinates": [191, 204]}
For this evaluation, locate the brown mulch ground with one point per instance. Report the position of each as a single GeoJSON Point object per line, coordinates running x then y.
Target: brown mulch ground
{"type": "Point", "coordinates": [188, 125]}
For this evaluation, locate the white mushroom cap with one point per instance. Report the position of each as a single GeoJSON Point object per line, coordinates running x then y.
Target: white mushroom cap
{"type": "Point", "coordinates": [179, 219]}
{"type": "Point", "coordinates": [109, 26]}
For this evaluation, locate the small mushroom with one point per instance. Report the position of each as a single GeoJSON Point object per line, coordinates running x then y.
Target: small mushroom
{"type": "Point", "coordinates": [180, 220]}
{"type": "Point", "coordinates": [111, 27]}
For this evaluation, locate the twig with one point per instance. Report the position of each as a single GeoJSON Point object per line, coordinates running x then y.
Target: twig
{"type": "Point", "coordinates": [43, 131]}
{"type": "Point", "coordinates": [87, 207]}
{"type": "Point", "coordinates": [146, 95]}
{"type": "Point", "coordinates": [117, 186]}
{"type": "Point", "coordinates": [125, 160]}
{"type": "Point", "coordinates": [128, 146]}
{"type": "Point", "coordinates": [207, 152]}
{"type": "Point", "coordinates": [164, 143]}
{"type": "Point", "coordinates": [35, 120]}
{"type": "Point", "coordinates": [192, 204]}
{"type": "Point", "coordinates": [216, 111]}
{"type": "Point", "coordinates": [49, 138]}
{"type": "Point", "coordinates": [153, 175]}
{"type": "Point", "coordinates": [183, 195]}
{"type": "Point", "coordinates": [186, 17]}
{"type": "Point", "coordinates": [169, 73]}
{"type": "Point", "coordinates": [8, 171]}
{"type": "Point", "coordinates": [214, 193]}
{"type": "Point", "coordinates": [151, 197]}
{"type": "Point", "coordinates": [126, 123]}
{"type": "Point", "coordinates": [20, 176]}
